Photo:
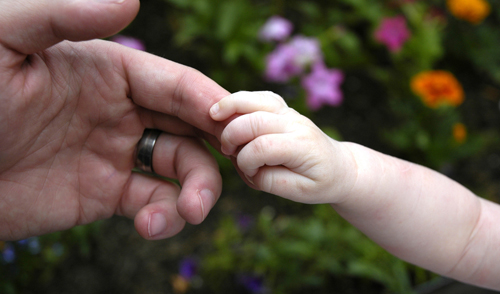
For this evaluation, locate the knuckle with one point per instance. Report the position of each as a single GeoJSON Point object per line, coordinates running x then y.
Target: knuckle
{"type": "Point", "coordinates": [188, 77]}
{"type": "Point", "coordinates": [261, 146]}
{"type": "Point", "coordinates": [268, 184]}
{"type": "Point", "coordinates": [306, 187]}
{"type": "Point", "coordinates": [255, 124]}
{"type": "Point", "coordinates": [275, 96]}
{"type": "Point", "coordinates": [273, 101]}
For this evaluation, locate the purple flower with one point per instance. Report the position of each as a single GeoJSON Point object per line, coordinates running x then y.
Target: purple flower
{"type": "Point", "coordinates": [393, 32]}
{"type": "Point", "coordinates": [307, 51]}
{"type": "Point", "coordinates": [280, 64]}
{"type": "Point", "coordinates": [188, 268]}
{"type": "Point", "coordinates": [254, 284]}
{"type": "Point", "coordinates": [23, 242]}
{"type": "Point", "coordinates": [323, 86]}
{"type": "Point", "coordinates": [31, 244]}
{"type": "Point", "coordinates": [34, 245]}
{"type": "Point", "coordinates": [245, 222]}
{"type": "Point", "coordinates": [290, 59]}
{"type": "Point", "coordinates": [276, 28]}
{"type": "Point", "coordinates": [129, 42]}
{"type": "Point", "coordinates": [8, 253]}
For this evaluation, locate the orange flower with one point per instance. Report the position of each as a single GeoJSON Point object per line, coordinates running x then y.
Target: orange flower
{"type": "Point", "coordinates": [473, 11]}
{"type": "Point", "coordinates": [437, 88]}
{"type": "Point", "coordinates": [459, 133]}
{"type": "Point", "coordinates": [179, 284]}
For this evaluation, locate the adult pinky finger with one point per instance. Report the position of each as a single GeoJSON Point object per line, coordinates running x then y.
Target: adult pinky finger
{"type": "Point", "coordinates": [151, 202]}
{"type": "Point", "coordinates": [188, 160]}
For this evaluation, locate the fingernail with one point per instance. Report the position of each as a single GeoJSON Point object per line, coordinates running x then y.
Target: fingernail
{"type": "Point", "coordinates": [249, 179]}
{"type": "Point", "coordinates": [224, 150]}
{"type": "Point", "coordinates": [214, 109]}
{"type": "Point", "coordinates": [157, 224]}
{"type": "Point", "coordinates": [207, 200]}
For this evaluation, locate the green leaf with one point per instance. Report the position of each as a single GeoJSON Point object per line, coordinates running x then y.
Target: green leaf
{"type": "Point", "coordinates": [230, 13]}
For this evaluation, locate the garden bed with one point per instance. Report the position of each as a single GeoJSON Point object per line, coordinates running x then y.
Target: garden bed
{"type": "Point", "coordinates": [253, 242]}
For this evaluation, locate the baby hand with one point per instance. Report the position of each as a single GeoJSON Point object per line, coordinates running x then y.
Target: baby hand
{"type": "Point", "coordinates": [282, 152]}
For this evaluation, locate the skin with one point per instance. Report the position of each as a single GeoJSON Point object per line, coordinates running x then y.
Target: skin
{"type": "Point", "coordinates": [413, 212]}
{"type": "Point", "coordinates": [72, 112]}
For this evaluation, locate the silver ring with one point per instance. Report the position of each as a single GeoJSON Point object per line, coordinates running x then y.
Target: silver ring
{"type": "Point", "coordinates": [144, 151]}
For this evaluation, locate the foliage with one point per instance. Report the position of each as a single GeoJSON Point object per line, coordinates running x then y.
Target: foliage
{"type": "Point", "coordinates": [224, 33]}
{"type": "Point", "coordinates": [30, 263]}
{"type": "Point", "coordinates": [300, 254]}
{"type": "Point", "coordinates": [290, 253]}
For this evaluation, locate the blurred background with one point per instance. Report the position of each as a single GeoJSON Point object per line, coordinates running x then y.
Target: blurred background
{"type": "Point", "coordinates": [419, 80]}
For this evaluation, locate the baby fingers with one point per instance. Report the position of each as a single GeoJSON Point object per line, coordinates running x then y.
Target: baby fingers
{"type": "Point", "coordinates": [246, 128]}
{"type": "Point", "coordinates": [246, 102]}
{"type": "Point", "coordinates": [271, 150]}
{"type": "Point", "coordinates": [294, 165]}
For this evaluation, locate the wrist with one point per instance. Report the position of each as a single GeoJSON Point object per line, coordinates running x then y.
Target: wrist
{"type": "Point", "coordinates": [345, 172]}
{"type": "Point", "coordinates": [364, 170]}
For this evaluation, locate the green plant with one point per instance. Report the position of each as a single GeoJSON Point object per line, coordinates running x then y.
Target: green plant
{"type": "Point", "coordinates": [293, 254]}
{"type": "Point", "coordinates": [33, 261]}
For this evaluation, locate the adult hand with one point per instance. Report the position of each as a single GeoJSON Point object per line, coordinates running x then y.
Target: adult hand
{"type": "Point", "coordinates": [72, 112]}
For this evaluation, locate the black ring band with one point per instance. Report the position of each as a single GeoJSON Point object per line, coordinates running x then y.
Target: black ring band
{"type": "Point", "coordinates": [145, 148]}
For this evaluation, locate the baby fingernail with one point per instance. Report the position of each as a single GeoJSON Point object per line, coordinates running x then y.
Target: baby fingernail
{"type": "Point", "coordinates": [249, 179]}
{"type": "Point", "coordinates": [157, 224]}
{"type": "Point", "coordinates": [214, 109]}
{"type": "Point", "coordinates": [224, 150]}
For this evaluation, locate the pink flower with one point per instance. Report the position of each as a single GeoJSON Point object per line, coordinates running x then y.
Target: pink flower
{"type": "Point", "coordinates": [280, 65]}
{"type": "Point", "coordinates": [290, 59]}
{"type": "Point", "coordinates": [276, 28]}
{"type": "Point", "coordinates": [129, 42]}
{"type": "Point", "coordinates": [393, 32]}
{"type": "Point", "coordinates": [307, 50]}
{"type": "Point", "coordinates": [322, 86]}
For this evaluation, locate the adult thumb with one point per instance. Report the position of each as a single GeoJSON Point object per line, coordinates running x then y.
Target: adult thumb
{"type": "Point", "coordinates": [30, 26]}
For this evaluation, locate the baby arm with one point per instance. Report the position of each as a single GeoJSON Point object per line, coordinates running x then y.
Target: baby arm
{"type": "Point", "coordinates": [413, 212]}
